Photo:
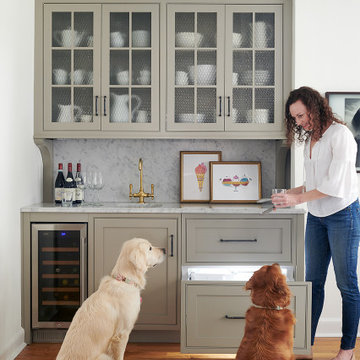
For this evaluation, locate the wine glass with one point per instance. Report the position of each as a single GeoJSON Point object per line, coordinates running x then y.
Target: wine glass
{"type": "Point", "coordinates": [98, 184]}
{"type": "Point", "coordinates": [88, 184]}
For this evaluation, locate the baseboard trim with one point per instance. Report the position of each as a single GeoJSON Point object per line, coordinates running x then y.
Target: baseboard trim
{"type": "Point", "coordinates": [15, 347]}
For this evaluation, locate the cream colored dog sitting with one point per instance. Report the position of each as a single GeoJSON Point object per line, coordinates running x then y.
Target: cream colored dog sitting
{"type": "Point", "coordinates": [100, 328]}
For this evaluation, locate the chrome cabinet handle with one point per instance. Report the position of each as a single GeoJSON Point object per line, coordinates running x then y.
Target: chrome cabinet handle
{"type": "Point", "coordinates": [220, 110]}
{"type": "Point", "coordinates": [234, 240]}
{"type": "Point", "coordinates": [96, 105]}
{"type": "Point", "coordinates": [171, 245]}
{"type": "Point", "coordinates": [228, 114]}
{"type": "Point", "coordinates": [234, 317]}
{"type": "Point", "coordinates": [104, 105]}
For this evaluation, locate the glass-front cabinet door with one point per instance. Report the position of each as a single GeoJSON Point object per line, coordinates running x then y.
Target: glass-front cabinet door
{"type": "Point", "coordinates": [195, 68]}
{"type": "Point", "coordinates": [72, 67]}
{"type": "Point", "coordinates": [130, 67]}
{"type": "Point", "coordinates": [253, 68]}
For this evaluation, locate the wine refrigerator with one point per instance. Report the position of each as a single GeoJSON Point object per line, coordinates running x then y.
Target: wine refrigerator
{"type": "Point", "coordinates": [59, 273]}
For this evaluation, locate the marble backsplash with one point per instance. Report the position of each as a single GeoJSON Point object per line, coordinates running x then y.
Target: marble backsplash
{"type": "Point", "coordinates": [118, 160]}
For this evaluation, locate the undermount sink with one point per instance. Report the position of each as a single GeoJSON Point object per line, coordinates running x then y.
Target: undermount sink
{"type": "Point", "coordinates": [138, 205]}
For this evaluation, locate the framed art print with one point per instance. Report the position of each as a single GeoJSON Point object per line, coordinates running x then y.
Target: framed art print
{"type": "Point", "coordinates": [195, 175]}
{"type": "Point", "coordinates": [346, 106]}
{"type": "Point", "coordinates": [235, 182]}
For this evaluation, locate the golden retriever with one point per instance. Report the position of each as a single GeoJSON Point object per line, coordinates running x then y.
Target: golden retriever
{"type": "Point", "coordinates": [269, 325]}
{"type": "Point", "coordinates": [100, 328]}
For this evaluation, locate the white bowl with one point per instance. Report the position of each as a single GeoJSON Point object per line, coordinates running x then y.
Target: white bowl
{"type": "Point", "coordinates": [186, 118]}
{"type": "Point", "coordinates": [188, 39]}
{"type": "Point", "coordinates": [262, 77]}
{"type": "Point", "coordinates": [261, 116]}
{"type": "Point", "coordinates": [206, 74]}
{"type": "Point", "coordinates": [246, 77]}
{"type": "Point", "coordinates": [141, 38]}
{"type": "Point", "coordinates": [237, 40]}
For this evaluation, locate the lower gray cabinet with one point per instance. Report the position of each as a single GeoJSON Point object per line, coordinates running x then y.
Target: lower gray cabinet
{"type": "Point", "coordinates": [159, 299]}
{"type": "Point", "coordinates": [206, 329]}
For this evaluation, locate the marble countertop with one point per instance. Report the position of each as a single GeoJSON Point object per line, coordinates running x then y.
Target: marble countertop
{"type": "Point", "coordinates": [163, 208]}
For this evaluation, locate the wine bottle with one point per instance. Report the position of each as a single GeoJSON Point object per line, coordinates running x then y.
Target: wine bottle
{"type": "Point", "coordinates": [59, 184]}
{"type": "Point", "coordinates": [70, 185]}
{"type": "Point", "coordinates": [79, 192]}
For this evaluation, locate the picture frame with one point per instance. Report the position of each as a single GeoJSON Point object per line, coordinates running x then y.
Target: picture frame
{"type": "Point", "coordinates": [195, 175]}
{"type": "Point", "coordinates": [235, 182]}
{"type": "Point", "coordinates": [346, 106]}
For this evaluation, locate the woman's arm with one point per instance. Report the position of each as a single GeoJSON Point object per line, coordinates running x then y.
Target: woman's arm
{"type": "Point", "coordinates": [297, 190]}
{"type": "Point", "coordinates": [292, 199]}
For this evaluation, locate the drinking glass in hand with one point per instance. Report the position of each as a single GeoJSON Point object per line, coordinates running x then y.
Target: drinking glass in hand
{"type": "Point", "coordinates": [277, 191]}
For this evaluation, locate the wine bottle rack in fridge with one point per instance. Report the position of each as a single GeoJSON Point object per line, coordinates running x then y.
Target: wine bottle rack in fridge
{"type": "Point", "coordinates": [59, 273]}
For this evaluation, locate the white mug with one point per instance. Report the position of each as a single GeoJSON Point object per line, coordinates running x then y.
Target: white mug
{"type": "Point", "coordinates": [79, 76]}
{"type": "Point", "coordinates": [141, 38]}
{"type": "Point", "coordinates": [181, 78]}
{"type": "Point", "coordinates": [60, 77]}
{"type": "Point", "coordinates": [117, 39]}
{"type": "Point", "coordinates": [144, 77]}
{"type": "Point", "coordinates": [122, 77]}
{"type": "Point", "coordinates": [142, 116]}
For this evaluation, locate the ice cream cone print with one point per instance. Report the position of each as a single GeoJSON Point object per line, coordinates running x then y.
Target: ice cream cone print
{"type": "Point", "coordinates": [200, 172]}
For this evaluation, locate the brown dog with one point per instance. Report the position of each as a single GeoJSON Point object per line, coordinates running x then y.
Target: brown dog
{"type": "Point", "coordinates": [269, 326]}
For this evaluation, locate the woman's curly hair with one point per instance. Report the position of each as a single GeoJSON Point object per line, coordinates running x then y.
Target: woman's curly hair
{"type": "Point", "coordinates": [317, 106]}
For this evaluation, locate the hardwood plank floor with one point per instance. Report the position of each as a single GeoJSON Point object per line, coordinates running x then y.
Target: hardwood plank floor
{"type": "Point", "coordinates": [324, 349]}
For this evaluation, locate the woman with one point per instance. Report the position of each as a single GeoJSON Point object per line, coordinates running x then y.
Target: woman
{"type": "Point", "coordinates": [331, 191]}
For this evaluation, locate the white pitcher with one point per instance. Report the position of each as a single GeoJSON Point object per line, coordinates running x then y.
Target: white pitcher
{"type": "Point", "coordinates": [119, 107]}
{"type": "Point", "coordinates": [65, 114]}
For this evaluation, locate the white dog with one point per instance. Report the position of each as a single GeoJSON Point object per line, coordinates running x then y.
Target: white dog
{"type": "Point", "coordinates": [100, 328]}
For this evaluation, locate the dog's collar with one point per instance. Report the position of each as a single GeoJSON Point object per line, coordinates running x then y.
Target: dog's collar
{"type": "Point", "coordinates": [269, 308]}
{"type": "Point", "coordinates": [126, 280]}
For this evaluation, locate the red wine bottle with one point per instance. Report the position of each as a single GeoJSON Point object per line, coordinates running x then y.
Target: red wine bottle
{"type": "Point", "coordinates": [79, 192]}
{"type": "Point", "coordinates": [59, 184]}
{"type": "Point", "coordinates": [70, 184]}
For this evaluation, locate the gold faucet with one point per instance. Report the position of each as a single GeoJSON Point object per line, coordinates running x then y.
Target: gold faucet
{"type": "Point", "coordinates": [141, 194]}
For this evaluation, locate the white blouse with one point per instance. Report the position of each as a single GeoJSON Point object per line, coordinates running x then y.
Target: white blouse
{"type": "Point", "coordinates": [331, 170]}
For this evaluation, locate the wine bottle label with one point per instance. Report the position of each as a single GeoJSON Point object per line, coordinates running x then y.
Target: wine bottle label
{"type": "Point", "coordinates": [79, 193]}
{"type": "Point", "coordinates": [58, 192]}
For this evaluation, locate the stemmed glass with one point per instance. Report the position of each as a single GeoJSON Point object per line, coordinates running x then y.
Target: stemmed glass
{"type": "Point", "coordinates": [97, 184]}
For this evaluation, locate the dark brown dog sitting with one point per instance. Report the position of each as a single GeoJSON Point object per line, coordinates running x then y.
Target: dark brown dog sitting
{"type": "Point", "coordinates": [269, 326]}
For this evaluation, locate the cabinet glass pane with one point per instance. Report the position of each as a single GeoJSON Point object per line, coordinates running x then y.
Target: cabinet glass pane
{"type": "Point", "coordinates": [242, 30]}
{"type": "Point", "coordinates": [141, 65]}
{"type": "Point", "coordinates": [61, 67]}
{"type": "Point", "coordinates": [184, 61]}
{"type": "Point", "coordinates": [119, 30]}
{"type": "Point", "coordinates": [205, 72]}
{"type": "Point", "coordinates": [61, 105]}
{"type": "Point", "coordinates": [119, 67]}
{"type": "Point", "coordinates": [206, 105]}
{"type": "Point", "coordinates": [184, 105]}
{"type": "Point", "coordinates": [141, 29]}
{"type": "Point", "coordinates": [264, 30]}
{"type": "Point", "coordinates": [61, 29]}
{"type": "Point", "coordinates": [84, 29]}
{"type": "Point", "coordinates": [264, 68]}
{"type": "Point", "coordinates": [83, 111]}
{"type": "Point", "coordinates": [184, 30]}
{"type": "Point", "coordinates": [264, 106]}
{"type": "Point", "coordinates": [119, 105]}
{"type": "Point", "coordinates": [141, 105]}
{"type": "Point", "coordinates": [242, 105]}
{"type": "Point", "coordinates": [207, 29]}
{"type": "Point", "coordinates": [242, 67]}
{"type": "Point", "coordinates": [83, 67]}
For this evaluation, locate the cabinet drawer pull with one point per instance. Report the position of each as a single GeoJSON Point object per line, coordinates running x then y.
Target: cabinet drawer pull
{"type": "Point", "coordinates": [234, 317]}
{"type": "Point", "coordinates": [171, 245]}
{"type": "Point", "coordinates": [96, 105]}
{"type": "Point", "coordinates": [104, 105]}
{"type": "Point", "coordinates": [220, 102]}
{"type": "Point", "coordinates": [234, 240]}
{"type": "Point", "coordinates": [228, 114]}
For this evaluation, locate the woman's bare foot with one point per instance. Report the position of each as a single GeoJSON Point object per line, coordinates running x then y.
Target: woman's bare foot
{"type": "Point", "coordinates": [344, 355]}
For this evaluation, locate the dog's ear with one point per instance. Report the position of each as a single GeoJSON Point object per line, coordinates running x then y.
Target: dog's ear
{"type": "Point", "coordinates": [138, 259]}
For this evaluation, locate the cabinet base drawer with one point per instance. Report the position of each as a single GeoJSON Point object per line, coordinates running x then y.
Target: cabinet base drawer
{"type": "Point", "coordinates": [213, 316]}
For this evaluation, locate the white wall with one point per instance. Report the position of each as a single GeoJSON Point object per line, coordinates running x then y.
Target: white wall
{"type": "Point", "coordinates": [327, 54]}
{"type": "Point", "coordinates": [20, 162]}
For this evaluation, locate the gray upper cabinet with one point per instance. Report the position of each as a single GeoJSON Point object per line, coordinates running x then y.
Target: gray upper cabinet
{"type": "Point", "coordinates": [161, 69]}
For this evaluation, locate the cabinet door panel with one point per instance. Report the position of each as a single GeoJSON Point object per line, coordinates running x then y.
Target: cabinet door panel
{"type": "Point", "coordinates": [130, 70]}
{"type": "Point", "coordinates": [71, 67]}
{"type": "Point", "coordinates": [195, 68]}
{"type": "Point", "coordinates": [159, 297]}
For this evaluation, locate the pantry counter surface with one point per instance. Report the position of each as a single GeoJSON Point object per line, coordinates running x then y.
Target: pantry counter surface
{"type": "Point", "coordinates": [177, 208]}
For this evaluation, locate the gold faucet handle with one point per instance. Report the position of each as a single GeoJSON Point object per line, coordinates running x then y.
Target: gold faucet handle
{"type": "Point", "coordinates": [130, 191]}
{"type": "Point", "coordinates": [152, 191]}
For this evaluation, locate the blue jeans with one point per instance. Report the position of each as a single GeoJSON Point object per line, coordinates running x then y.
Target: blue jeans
{"type": "Point", "coordinates": [335, 236]}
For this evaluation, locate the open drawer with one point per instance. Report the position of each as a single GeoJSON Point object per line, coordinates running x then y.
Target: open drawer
{"type": "Point", "coordinates": [213, 316]}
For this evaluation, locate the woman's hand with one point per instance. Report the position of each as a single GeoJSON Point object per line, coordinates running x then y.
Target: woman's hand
{"type": "Point", "coordinates": [285, 200]}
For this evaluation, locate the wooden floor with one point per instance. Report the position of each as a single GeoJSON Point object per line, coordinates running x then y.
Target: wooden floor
{"type": "Point", "coordinates": [324, 349]}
